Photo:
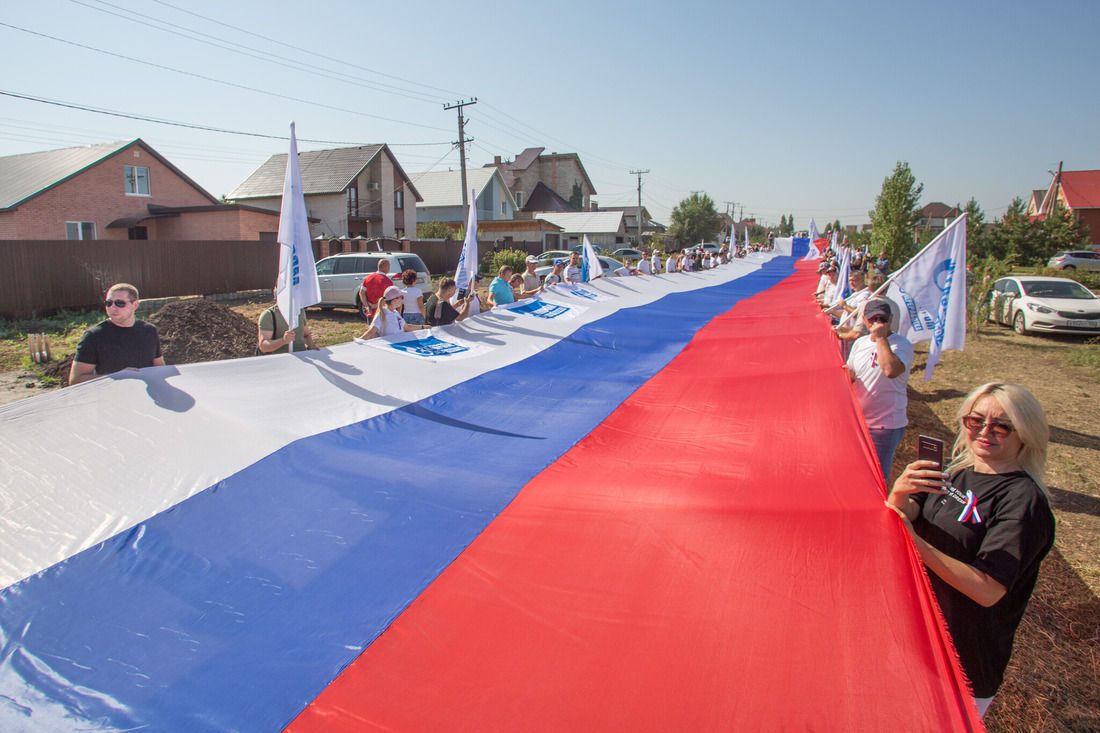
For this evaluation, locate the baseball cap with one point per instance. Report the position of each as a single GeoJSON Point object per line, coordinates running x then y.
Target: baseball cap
{"type": "Point", "coordinates": [393, 292]}
{"type": "Point", "coordinates": [532, 260]}
{"type": "Point", "coordinates": [559, 262]}
{"type": "Point", "coordinates": [876, 307]}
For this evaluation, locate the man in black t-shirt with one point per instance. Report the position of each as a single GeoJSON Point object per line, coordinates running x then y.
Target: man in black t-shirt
{"type": "Point", "coordinates": [439, 309]}
{"type": "Point", "coordinates": [120, 342]}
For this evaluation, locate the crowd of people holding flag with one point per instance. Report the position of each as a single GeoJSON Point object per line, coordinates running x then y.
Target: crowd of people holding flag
{"type": "Point", "coordinates": [981, 524]}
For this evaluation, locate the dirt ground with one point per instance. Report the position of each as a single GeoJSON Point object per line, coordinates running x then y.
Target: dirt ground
{"type": "Point", "coordinates": [1053, 683]}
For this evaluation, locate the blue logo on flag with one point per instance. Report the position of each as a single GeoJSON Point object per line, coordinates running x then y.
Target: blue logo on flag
{"type": "Point", "coordinates": [541, 309]}
{"type": "Point", "coordinates": [430, 346]}
{"type": "Point", "coordinates": [582, 293]}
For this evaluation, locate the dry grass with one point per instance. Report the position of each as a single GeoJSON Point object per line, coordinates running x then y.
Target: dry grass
{"type": "Point", "coordinates": [1053, 682]}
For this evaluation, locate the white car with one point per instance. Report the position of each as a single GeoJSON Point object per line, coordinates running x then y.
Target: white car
{"type": "Point", "coordinates": [341, 275]}
{"type": "Point", "coordinates": [1051, 304]}
{"type": "Point", "coordinates": [1085, 259]}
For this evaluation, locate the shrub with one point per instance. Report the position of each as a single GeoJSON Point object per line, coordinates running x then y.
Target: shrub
{"type": "Point", "coordinates": [514, 258]}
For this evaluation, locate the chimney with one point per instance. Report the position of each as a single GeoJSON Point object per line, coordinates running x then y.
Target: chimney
{"type": "Point", "coordinates": [496, 160]}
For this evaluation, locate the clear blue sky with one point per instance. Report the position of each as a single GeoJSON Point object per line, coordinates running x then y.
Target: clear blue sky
{"type": "Point", "coordinates": [785, 107]}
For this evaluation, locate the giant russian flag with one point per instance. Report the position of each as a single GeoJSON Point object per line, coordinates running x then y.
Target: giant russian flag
{"type": "Point", "coordinates": [635, 504]}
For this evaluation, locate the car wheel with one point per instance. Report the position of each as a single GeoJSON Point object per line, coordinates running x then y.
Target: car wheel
{"type": "Point", "coordinates": [1019, 325]}
{"type": "Point", "coordinates": [362, 309]}
{"type": "Point", "coordinates": [1069, 267]}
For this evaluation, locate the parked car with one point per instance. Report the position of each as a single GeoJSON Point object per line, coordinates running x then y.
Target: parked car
{"type": "Point", "coordinates": [579, 247]}
{"type": "Point", "coordinates": [1084, 259]}
{"type": "Point", "coordinates": [548, 257]}
{"type": "Point", "coordinates": [710, 247]}
{"type": "Point", "coordinates": [1051, 304]}
{"type": "Point", "coordinates": [341, 275]}
{"type": "Point", "coordinates": [609, 264]}
{"type": "Point", "coordinates": [626, 253]}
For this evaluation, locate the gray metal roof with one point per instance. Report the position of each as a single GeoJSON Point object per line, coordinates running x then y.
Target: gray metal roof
{"type": "Point", "coordinates": [26, 175]}
{"type": "Point", "coordinates": [444, 188]}
{"type": "Point", "coordinates": [323, 171]}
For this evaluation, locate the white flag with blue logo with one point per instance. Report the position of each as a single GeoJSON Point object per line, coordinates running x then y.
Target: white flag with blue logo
{"type": "Point", "coordinates": [843, 288]}
{"type": "Point", "coordinates": [931, 290]}
{"type": "Point", "coordinates": [590, 263]}
{"type": "Point", "coordinates": [467, 261]}
{"type": "Point", "coordinates": [297, 286]}
{"type": "Point", "coordinates": [814, 236]}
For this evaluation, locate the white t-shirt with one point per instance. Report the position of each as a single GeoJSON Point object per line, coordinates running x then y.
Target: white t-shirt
{"type": "Point", "coordinates": [655, 264]}
{"type": "Point", "coordinates": [623, 271]}
{"type": "Point", "coordinates": [822, 282]}
{"type": "Point", "coordinates": [855, 299]}
{"type": "Point", "coordinates": [881, 398]}
{"type": "Point", "coordinates": [572, 273]}
{"type": "Point", "coordinates": [670, 264]}
{"type": "Point", "coordinates": [388, 322]}
{"type": "Point", "coordinates": [643, 266]}
{"type": "Point", "coordinates": [412, 293]}
{"type": "Point", "coordinates": [475, 304]}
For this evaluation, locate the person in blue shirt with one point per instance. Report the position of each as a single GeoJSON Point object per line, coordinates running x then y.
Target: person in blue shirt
{"type": "Point", "coordinates": [500, 291]}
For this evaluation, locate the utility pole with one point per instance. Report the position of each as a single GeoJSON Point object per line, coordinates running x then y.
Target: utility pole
{"type": "Point", "coordinates": [733, 229]}
{"type": "Point", "coordinates": [462, 149]}
{"type": "Point", "coordinates": [639, 174]}
{"type": "Point", "coordinates": [1057, 181]}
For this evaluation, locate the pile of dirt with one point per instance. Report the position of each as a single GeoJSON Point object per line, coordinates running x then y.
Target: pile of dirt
{"type": "Point", "coordinates": [202, 330]}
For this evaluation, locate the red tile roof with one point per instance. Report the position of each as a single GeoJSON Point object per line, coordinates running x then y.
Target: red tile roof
{"type": "Point", "coordinates": [1081, 189]}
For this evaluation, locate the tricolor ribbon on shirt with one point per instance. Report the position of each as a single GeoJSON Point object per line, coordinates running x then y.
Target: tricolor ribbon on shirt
{"type": "Point", "coordinates": [970, 511]}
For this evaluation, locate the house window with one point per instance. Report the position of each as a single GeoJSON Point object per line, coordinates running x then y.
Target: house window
{"type": "Point", "coordinates": [137, 180]}
{"type": "Point", "coordinates": [80, 230]}
{"type": "Point", "coordinates": [137, 233]}
{"type": "Point", "coordinates": [504, 208]}
{"type": "Point", "coordinates": [353, 201]}
{"type": "Point", "coordinates": [399, 199]}
{"type": "Point", "coordinates": [519, 199]}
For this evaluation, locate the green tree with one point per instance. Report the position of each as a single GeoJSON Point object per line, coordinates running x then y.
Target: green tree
{"type": "Point", "coordinates": [790, 226]}
{"type": "Point", "coordinates": [894, 218]}
{"type": "Point", "coordinates": [695, 220]}
{"type": "Point", "coordinates": [979, 241]}
{"type": "Point", "coordinates": [434, 230]}
{"type": "Point", "coordinates": [1060, 231]}
{"type": "Point", "coordinates": [836, 225]}
{"type": "Point", "coordinates": [1015, 236]}
{"type": "Point", "coordinates": [783, 225]}
{"type": "Point", "coordinates": [577, 199]}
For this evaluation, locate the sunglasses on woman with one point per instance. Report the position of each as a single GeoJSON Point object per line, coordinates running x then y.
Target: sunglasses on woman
{"type": "Point", "coordinates": [977, 423]}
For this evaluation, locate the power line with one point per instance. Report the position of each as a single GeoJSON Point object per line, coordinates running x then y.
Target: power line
{"type": "Point", "coordinates": [343, 62]}
{"type": "Point", "coordinates": [173, 123]}
{"type": "Point", "coordinates": [239, 49]}
{"type": "Point", "coordinates": [212, 79]}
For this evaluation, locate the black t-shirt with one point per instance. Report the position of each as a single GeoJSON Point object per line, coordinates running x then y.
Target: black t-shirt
{"type": "Point", "coordinates": [447, 313]}
{"type": "Point", "coordinates": [1006, 533]}
{"type": "Point", "coordinates": [113, 348]}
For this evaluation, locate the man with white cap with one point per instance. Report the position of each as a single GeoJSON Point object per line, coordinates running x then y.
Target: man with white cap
{"type": "Point", "coordinates": [531, 283]}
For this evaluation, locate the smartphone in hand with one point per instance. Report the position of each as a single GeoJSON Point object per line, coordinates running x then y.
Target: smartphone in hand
{"type": "Point", "coordinates": [930, 449]}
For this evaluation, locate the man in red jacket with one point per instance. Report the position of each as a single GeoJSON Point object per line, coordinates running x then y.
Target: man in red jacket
{"type": "Point", "coordinates": [374, 285]}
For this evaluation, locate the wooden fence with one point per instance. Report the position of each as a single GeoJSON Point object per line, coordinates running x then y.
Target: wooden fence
{"type": "Point", "coordinates": [41, 276]}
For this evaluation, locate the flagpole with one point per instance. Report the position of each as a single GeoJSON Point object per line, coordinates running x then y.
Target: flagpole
{"type": "Point", "coordinates": [911, 260]}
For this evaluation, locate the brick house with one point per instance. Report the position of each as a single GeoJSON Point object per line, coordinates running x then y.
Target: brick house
{"type": "Point", "coordinates": [349, 192]}
{"type": "Point", "coordinates": [563, 173]}
{"type": "Point", "coordinates": [936, 216]}
{"type": "Point", "coordinates": [118, 190]}
{"type": "Point", "coordinates": [1077, 191]}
